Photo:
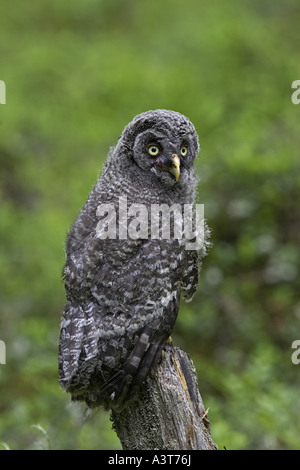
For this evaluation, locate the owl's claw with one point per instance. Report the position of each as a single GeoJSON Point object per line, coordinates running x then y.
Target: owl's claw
{"type": "Point", "coordinates": [168, 343]}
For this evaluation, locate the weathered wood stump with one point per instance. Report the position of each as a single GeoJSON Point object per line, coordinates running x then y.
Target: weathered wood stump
{"type": "Point", "coordinates": [168, 412]}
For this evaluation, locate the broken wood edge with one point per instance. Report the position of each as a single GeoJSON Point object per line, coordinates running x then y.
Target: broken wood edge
{"type": "Point", "coordinates": [167, 412]}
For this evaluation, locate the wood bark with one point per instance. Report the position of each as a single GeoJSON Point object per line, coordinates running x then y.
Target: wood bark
{"type": "Point", "coordinates": [167, 413]}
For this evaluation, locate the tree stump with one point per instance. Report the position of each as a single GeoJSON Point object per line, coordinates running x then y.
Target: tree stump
{"type": "Point", "coordinates": [168, 412]}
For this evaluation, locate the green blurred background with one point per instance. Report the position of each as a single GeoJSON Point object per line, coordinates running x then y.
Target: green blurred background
{"type": "Point", "coordinates": [76, 73]}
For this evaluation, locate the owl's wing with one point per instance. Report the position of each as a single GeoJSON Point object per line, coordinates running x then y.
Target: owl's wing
{"type": "Point", "coordinates": [109, 339]}
{"type": "Point", "coordinates": [80, 364]}
{"type": "Point", "coordinates": [77, 345]}
{"type": "Point", "coordinates": [193, 261]}
{"type": "Point", "coordinates": [190, 278]}
{"type": "Point", "coordinates": [145, 354]}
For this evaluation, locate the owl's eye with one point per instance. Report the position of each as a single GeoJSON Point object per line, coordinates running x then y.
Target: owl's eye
{"type": "Point", "coordinates": [153, 150]}
{"type": "Point", "coordinates": [183, 150]}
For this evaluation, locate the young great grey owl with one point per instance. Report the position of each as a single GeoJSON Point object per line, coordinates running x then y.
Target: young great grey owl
{"type": "Point", "coordinates": [123, 292]}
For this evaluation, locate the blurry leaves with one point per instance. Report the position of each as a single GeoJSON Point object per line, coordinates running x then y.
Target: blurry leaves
{"type": "Point", "coordinates": [76, 74]}
{"type": "Point", "coordinates": [45, 442]}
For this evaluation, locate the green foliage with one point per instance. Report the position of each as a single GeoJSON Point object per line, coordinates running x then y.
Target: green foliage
{"type": "Point", "coordinates": [76, 73]}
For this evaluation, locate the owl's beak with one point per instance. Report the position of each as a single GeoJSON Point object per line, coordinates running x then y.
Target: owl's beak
{"type": "Point", "coordinates": [174, 169]}
{"type": "Point", "coordinates": [171, 165]}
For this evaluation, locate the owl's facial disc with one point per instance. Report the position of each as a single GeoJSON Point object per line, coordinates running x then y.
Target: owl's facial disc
{"type": "Point", "coordinates": [172, 165]}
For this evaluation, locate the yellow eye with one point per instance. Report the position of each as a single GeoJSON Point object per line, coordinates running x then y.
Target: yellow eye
{"type": "Point", "coordinates": [183, 150]}
{"type": "Point", "coordinates": [153, 150]}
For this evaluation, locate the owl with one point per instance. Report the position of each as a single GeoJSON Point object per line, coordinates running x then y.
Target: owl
{"type": "Point", "coordinates": [122, 291]}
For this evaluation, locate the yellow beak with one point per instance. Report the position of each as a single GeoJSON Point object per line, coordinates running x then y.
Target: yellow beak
{"type": "Point", "coordinates": [174, 169]}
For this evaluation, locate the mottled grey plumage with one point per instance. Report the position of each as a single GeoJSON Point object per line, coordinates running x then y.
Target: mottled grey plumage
{"type": "Point", "coordinates": [123, 294]}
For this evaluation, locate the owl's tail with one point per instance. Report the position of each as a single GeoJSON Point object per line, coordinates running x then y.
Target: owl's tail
{"type": "Point", "coordinates": [144, 356]}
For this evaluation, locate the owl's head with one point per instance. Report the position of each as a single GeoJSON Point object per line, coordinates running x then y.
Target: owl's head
{"type": "Point", "coordinates": [162, 143]}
